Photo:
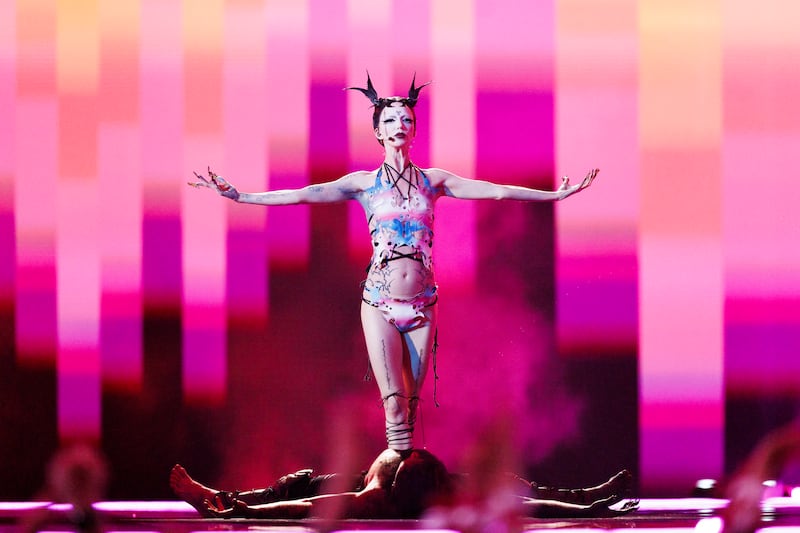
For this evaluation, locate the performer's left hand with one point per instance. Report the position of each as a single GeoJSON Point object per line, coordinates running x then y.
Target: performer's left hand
{"type": "Point", "coordinates": [566, 189]}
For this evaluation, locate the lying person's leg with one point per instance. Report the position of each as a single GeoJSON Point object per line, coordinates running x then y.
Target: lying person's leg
{"type": "Point", "coordinates": [617, 485]}
{"type": "Point", "coordinates": [191, 491]}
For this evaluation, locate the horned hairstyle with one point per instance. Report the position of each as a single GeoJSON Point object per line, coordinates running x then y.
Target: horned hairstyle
{"type": "Point", "coordinates": [381, 103]}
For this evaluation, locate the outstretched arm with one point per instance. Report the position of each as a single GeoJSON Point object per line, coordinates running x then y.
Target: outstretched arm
{"type": "Point", "coordinates": [367, 504]}
{"type": "Point", "coordinates": [340, 190]}
{"type": "Point", "coordinates": [458, 187]}
{"type": "Point", "coordinates": [295, 509]}
{"type": "Point", "coordinates": [598, 509]}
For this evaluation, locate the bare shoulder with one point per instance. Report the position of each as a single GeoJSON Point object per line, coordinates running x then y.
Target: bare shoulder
{"type": "Point", "coordinates": [359, 180]}
{"type": "Point", "coordinates": [371, 504]}
{"type": "Point", "coordinates": [437, 176]}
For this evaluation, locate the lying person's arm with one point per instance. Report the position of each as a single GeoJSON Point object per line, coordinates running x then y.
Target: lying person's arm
{"type": "Point", "coordinates": [365, 504]}
{"type": "Point", "coordinates": [598, 509]}
{"type": "Point", "coordinates": [293, 509]}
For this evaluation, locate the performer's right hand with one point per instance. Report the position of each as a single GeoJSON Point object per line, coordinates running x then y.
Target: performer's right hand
{"type": "Point", "coordinates": [217, 183]}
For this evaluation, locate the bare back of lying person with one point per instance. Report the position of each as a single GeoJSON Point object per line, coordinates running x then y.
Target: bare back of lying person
{"type": "Point", "coordinates": [394, 487]}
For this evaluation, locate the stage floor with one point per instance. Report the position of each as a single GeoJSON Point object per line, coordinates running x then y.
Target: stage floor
{"type": "Point", "coordinates": [667, 515]}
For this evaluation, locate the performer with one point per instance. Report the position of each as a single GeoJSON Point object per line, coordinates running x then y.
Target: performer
{"type": "Point", "coordinates": [399, 308]}
{"type": "Point", "coordinates": [394, 487]}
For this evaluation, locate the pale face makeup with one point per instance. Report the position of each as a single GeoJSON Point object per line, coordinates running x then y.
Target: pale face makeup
{"type": "Point", "coordinates": [397, 126]}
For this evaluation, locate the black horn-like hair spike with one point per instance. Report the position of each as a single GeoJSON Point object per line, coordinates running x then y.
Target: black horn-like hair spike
{"type": "Point", "coordinates": [413, 91]}
{"type": "Point", "coordinates": [378, 102]}
{"type": "Point", "coordinates": [369, 92]}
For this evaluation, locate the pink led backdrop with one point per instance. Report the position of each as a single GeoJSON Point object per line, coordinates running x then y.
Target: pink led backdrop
{"type": "Point", "coordinates": [650, 323]}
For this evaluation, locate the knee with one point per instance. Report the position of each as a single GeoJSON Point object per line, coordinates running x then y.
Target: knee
{"type": "Point", "coordinates": [396, 409]}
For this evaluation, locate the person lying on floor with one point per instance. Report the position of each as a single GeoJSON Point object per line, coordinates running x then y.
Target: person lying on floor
{"type": "Point", "coordinates": [394, 487]}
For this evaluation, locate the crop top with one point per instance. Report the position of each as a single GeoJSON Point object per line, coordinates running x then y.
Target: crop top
{"type": "Point", "coordinates": [399, 209]}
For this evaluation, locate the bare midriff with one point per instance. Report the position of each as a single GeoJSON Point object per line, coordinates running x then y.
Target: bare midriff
{"type": "Point", "coordinates": [402, 277]}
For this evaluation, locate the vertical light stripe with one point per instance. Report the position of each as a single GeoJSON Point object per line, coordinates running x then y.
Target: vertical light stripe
{"type": "Point", "coordinates": [35, 223]}
{"type": "Point", "coordinates": [162, 166]}
{"type": "Point", "coordinates": [597, 127]}
{"type": "Point", "coordinates": [36, 167]}
{"type": "Point", "coordinates": [8, 102]}
{"type": "Point", "coordinates": [328, 142]}
{"type": "Point", "coordinates": [368, 22]}
{"type": "Point", "coordinates": [120, 232]}
{"type": "Point", "coordinates": [453, 135]}
{"type": "Point", "coordinates": [120, 186]}
{"type": "Point", "coordinates": [411, 56]}
{"type": "Point", "coordinates": [515, 91]}
{"type": "Point", "coordinates": [77, 219]}
{"type": "Point", "coordinates": [204, 224]}
{"type": "Point", "coordinates": [286, 97]}
{"type": "Point", "coordinates": [680, 276]}
{"type": "Point", "coordinates": [244, 123]}
{"type": "Point", "coordinates": [78, 46]}
{"type": "Point", "coordinates": [762, 222]}
{"type": "Point", "coordinates": [78, 299]}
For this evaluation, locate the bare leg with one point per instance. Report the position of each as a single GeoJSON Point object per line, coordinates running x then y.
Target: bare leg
{"type": "Point", "coordinates": [419, 349]}
{"type": "Point", "coordinates": [190, 491]}
{"type": "Point", "coordinates": [385, 349]}
{"type": "Point", "coordinates": [618, 485]}
{"type": "Point", "coordinates": [399, 363]}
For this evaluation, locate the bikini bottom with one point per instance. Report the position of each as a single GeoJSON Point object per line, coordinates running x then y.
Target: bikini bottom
{"type": "Point", "coordinates": [403, 313]}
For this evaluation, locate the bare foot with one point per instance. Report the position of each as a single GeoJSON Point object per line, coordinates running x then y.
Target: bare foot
{"type": "Point", "coordinates": [190, 491]}
{"type": "Point", "coordinates": [617, 485]}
